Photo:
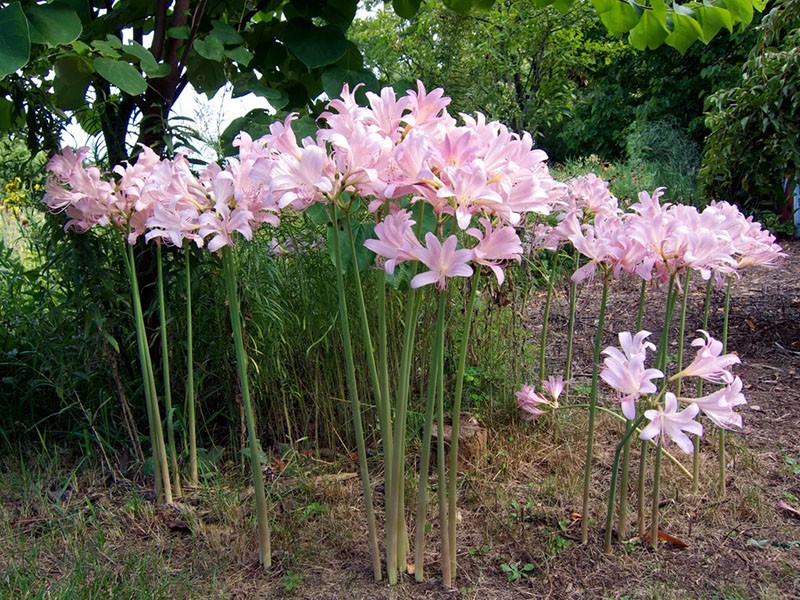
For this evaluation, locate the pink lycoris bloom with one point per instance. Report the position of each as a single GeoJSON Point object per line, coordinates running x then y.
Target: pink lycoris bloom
{"type": "Point", "coordinates": [709, 363]}
{"type": "Point", "coordinates": [719, 405]}
{"type": "Point", "coordinates": [529, 401]}
{"type": "Point", "coordinates": [553, 387]}
{"type": "Point", "coordinates": [396, 240]}
{"type": "Point", "coordinates": [668, 423]}
{"type": "Point", "coordinates": [495, 246]}
{"type": "Point", "coordinates": [625, 371]}
{"type": "Point", "coordinates": [443, 260]}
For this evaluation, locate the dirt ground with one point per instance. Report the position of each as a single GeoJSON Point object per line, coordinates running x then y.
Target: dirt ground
{"type": "Point", "coordinates": [520, 529]}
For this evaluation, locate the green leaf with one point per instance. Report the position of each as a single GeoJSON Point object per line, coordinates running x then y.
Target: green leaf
{"type": "Point", "coordinates": [406, 8]}
{"type": "Point", "coordinates": [462, 7]}
{"type": "Point", "coordinates": [209, 48]}
{"type": "Point", "coordinates": [712, 19]}
{"type": "Point", "coordinates": [147, 61]}
{"type": "Point", "coordinates": [334, 78]}
{"type": "Point", "coordinates": [89, 120]}
{"type": "Point", "coordinates": [314, 46]}
{"type": "Point", "coordinates": [179, 33]}
{"type": "Point", "coordinates": [240, 54]}
{"type": "Point", "coordinates": [256, 123]}
{"type": "Point", "coordinates": [72, 77]}
{"type": "Point", "coordinates": [53, 24]}
{"type": "Point", "coordinates": [685, 31]}
{"type": "Point", "coordinates": [618, 17]}
{"type": "Point", "coordinates": [206, 76]}
{"type": "Point", "coordinates": [121, 74]}
{"type": "Point", "coordinates": [361, 233]}
{"type": "Point", "coordinates": [15, 41]}
{"type": "Point", "coordinates": [318, 213]}
{"type": "Point", "coordinates": [741, 10]}
{"type": "Point", "coordinates": [651, 31]}
{"type": "Point", "coordinates": [226, 34]}
{"type": "Point", "coordinates": [277, 98]}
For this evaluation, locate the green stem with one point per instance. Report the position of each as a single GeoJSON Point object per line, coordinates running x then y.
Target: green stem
{"type": "Point", "coordinates": [654, 507]}
{"type": "Point", "coordinates": [682, 327]}
{"type": "Point", "coordinates": [546, 320]}
{"type": "Point", "coordinates": [229, 274]}
{"type": "Point", "coordinates": [141, 344]}
{"type": "Point", "coordinates": [726, 314]}
{"type": "Point", "coordinates": [441, 482]}
{"type": "Point", "coordinates": [587, 473]}
{"type": "Point", "coordinates": [344, 323]}
{"type": "Point", "coordinates": [425, 458]}
{"type": "Point", "coordinates": [190, 399]}
{"type": "Point", "coordinates": [573, 304]}
{"type": "Point", "coordinates": [622, 516]}
{"type": "Point", "coordinates": [661, 363]}
{"type": "Point", "coordinates": [395, 517]}
{"type": "Point", "coordinates": [160, 464]}
{"type": "Point", "coordinates": [162, 318]}
{"type": "Point", "coordinates": [456, 420]}
{"type": "Point", "coordinates": [621, 446]}
{"type": "Point", "coordinates": [696, 453]}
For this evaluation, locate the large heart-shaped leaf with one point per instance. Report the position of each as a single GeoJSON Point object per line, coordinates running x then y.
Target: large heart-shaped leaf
{"type": "Point", "coordinates": [73, 75]}
{"type": "Point", "coordinates": [651, 30]}
{"type": "Point", "coordinates": [314, 46]}
{"type": "Point", "coordinates": [53, 24]}
{"type": "Point", "coordinates": [406, 8]}
{"type": "Point", "coordinates": [121, 74]}
{"type": "Point", "coordinates": [685, 31]}
{"type": "Point", "coordinates": [618, 17]}
{"type": "Point", "coordinates": [15, 41]}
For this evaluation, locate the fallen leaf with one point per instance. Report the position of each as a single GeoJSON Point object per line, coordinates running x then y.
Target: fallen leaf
{"type": "Point", "coordinates": [750, 323]}
{"type": "Point", "coordinates": [411, 568]}
{"type": "Point", "coordinates": [576, 516]}
{"type": "Point", "coordinates": [664, 537]}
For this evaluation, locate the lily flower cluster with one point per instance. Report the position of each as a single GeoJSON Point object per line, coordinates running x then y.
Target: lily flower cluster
{"type": "Point", "coordinates": [624, 370]}
{"type": "Point", "coordinates": [163, 198]}
{"type": "Point", "coordinates": [533, 403]}
{"type": "Point", "coordinates": [407, 155]}
{"type": "Point", "coordinates": [656, 240]}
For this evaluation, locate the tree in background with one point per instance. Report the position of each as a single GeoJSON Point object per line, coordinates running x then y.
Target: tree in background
{"type": "Point", "coordinates": [755, 123]}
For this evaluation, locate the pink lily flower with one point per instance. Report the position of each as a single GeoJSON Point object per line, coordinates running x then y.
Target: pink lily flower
{"type": "Point", "coordinates": [667, 423]}
{"type": "Point", "coordinates": [495, 246]}
{"type": "Point", "coordinates": [396, 240]}
{"type": "Point", "coordinates": [709, 363]}
{"type": "Point", "coordinates": [629, 377]}
{"type": "Point", "coordinates": [443, 260]}
{"type": "Point", "coordinates": [553, 387]}
{"type": "Point", "coordinates": [719, 406]}
{"type": "Point", "coordinates": [529, 401]}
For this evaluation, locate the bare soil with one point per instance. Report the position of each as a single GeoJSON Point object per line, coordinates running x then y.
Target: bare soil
{"type": "Point", "coordinates": [519, 507]}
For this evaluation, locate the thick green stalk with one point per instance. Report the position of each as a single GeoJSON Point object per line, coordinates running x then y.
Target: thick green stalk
{"type": "Point", "coordinates": [682, 329]}
{"type": "Point", "coordinates": [696, 440]}
{"type": "Point", "coordinates": [654, 507]}
{"type": "Point", "coordinates": [622, 516]}
{"type": "Point", "coordinates": [573, 303]}
{"type": "Point", "coordinates": [190, 400]}
{"type": "Point", "coordinates": [661, 364]}
{"type": "Point", "coordinates": [587, 473]}
{"type": "Point", "coordinates": [229, 274]}
{"type": "Point", "coordinates": [622, 445]}
{"type": "Point", "coordinates": [546, 320]}
{"type": "Point", "coordinates": [441, 482]}
{"type": "Point", "coordinates": [344, 324]}
{"type": "Point", "coordinates": [381, 402]}
{"type": "Point", "coordinates": [160, 465]}
{"type": "Point", "coordinates": [456, 420]}
{"type": "Point", "coordinates": [162, 318]}
{"type": "Point", "coordinates": [425, 458]}
{"type": "Point", "coordinates": [726, 314]}
{"type": "Point", "coordinates": [395, 517]}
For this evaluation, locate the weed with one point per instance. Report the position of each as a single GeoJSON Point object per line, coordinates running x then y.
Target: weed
{"type": "Point", "coordinates": [792, 465]}
{"type": "Point", "coordinates": [291, 581]}
{"type": "Point", "coordinates": [515, 570]}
